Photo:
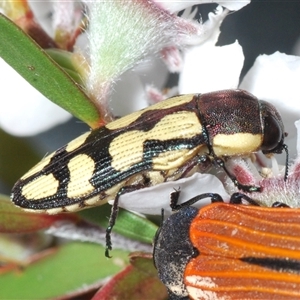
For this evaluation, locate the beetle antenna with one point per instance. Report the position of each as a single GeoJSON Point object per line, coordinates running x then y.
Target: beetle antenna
{"type": "Point", "coordinates": [286, 173]}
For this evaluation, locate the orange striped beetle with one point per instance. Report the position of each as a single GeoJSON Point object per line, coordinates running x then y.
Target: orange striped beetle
{"type": "Point", "coordinates": [226, 251]}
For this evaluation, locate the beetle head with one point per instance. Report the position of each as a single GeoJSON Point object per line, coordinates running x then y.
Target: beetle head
{"type": "Point", "coordinates": [273, 129]}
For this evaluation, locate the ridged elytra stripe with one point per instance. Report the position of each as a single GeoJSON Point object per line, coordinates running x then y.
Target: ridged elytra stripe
{"type": "Point", "coordinates": [230, 251]}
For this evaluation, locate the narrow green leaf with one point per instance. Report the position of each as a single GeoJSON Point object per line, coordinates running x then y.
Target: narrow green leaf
{"type": "Point", "coordinates": [127, 224]}
{"type": "Point", "coordinates": [31, 62]}
{"type": "Point", "coordinates": [72, 267]}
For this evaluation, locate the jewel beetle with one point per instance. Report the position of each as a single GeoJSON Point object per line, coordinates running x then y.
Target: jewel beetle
{"type": "Point", "coordinates": [230, 251]}
{"type": "Point", "coordinates": [163, 142]}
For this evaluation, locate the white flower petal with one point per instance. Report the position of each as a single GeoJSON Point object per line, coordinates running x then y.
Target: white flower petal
{"type": "Point", "coordinates": [128, 95]}
{"type": "Point", "coordinates": [24, 110]}
{"type": "Point", "coordinates": [64, 15]}
{"type": "Point", "coordinates": [174, 6]}
{"type": "Point", "coordinates": [42, 11]}
{"type": "Point", "coordinates": [151, 200]}
{"type": "Point", "coordinates": [208, 68]}
{"type": "Point", "coordinates": [233, 5]}
{"type": "Point", "coordinates": [207, 32]}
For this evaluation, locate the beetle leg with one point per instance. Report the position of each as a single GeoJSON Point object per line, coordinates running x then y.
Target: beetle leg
{"type": "Point", "coordinates": [202, 162]}
{"type": "Point", "coordinates": [114, 214]}
{"type": "Point", "coordinates": [175, 196]}
{"type": "Point", "coordinates": [247, 188]}
{"type": "Point", "coordinates": [279, 204]}
{"type": "Point", "coordinates": [285, 147]}
{"type": "Point", "coordinates": [236, 198]}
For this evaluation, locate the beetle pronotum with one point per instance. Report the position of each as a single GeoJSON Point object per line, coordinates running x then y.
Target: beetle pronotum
{"type": "Point", "coordinates": [160, 143]}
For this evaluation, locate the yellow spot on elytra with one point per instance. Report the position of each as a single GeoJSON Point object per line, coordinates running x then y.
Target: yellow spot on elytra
{"type": "Point", "coordinates": [124, 121]}
{"type": "Point", "coordinates": [236, 144]}
{"type": "Point", "coordinates": [73, 207]}
{"type": "Point", "coordinates": [44, 186]}
{"type": "Point", "coordinates": [77, 142]}
{"type": "Point", "coordinates": [81, 169]}
{"type": "Point", "coordinates": [46, 160]}
{"type": "Point", "coordinates": [127, 148]}
{"type": "Point", "coordinates": [171, 102]}
{"type": "Point", "coordinates": [54, 211]}
{"type": "Point", "coordinates": [173, 159]}
{"type": "Point", "coordinates": [94, 201]}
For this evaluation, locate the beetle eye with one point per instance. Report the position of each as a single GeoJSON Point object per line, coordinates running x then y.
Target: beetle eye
{"type": "Point", "coordinates": [273, 135]}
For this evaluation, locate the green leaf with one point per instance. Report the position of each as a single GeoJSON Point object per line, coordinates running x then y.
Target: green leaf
{"type": "Point", "coordinates": [127, 224]}
{"type": "Point", "coordinates": [64, 59]}
{"type": "Point", "coordinates": [15, 220]}
{"type": "Point", "coordinates": [31, 62]}
{"type": "Point", "coordinates": [72, 267]}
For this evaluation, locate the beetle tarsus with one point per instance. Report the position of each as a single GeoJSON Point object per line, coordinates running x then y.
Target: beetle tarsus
{"type": "Point", "coordinates": [108, 242]}
{"type": "Point", "coordinates": [248, 188]}
{"type": "Point", "coordinates": [236, 198]}
{"type": "Point", "coordinates": [279, 204]}
{"type": "Point", "coordinates": [216, 198]}
{"type": "Point", "coordinates": [174, 196]}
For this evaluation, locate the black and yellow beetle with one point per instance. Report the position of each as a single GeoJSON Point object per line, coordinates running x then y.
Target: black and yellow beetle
{"type": "Point", "coordinates": [160, 143]}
